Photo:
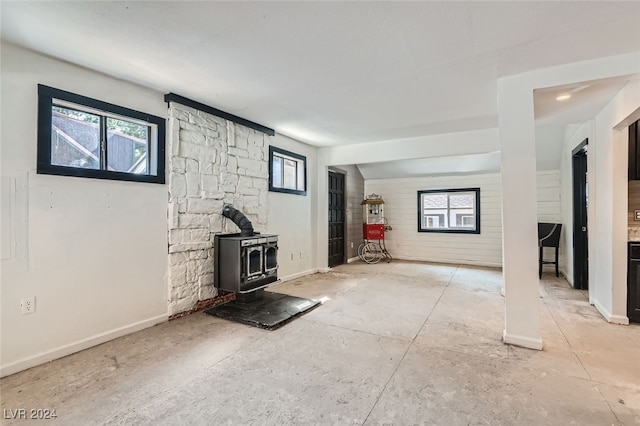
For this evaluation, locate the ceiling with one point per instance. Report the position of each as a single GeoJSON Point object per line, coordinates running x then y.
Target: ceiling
{"type": "Point", "coordinates": [335, 73]}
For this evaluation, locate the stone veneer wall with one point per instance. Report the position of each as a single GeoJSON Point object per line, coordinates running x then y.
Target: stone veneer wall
{"type": "Point", "coordinates": [212, 161]}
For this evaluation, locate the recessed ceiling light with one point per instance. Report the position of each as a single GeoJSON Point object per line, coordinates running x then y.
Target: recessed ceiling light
{"type": "Point", "coordinates": [563, 97]}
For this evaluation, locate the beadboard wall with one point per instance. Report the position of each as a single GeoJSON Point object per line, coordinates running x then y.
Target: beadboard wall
{"type": "Point", "coordinates": [485, 249]}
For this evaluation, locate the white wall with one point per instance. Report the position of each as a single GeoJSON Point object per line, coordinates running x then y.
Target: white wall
{"type": "Point", "coordinates": [548, 191]}
{"type": "Point", "coordinates": [92, 252]}
{"type": "Point", "coordinates": [607, 213]}
{"type": "Point", "coordinates": [607, 255]}
{"type": "Point", "coordinates": [549, 210]}
{"type": "Point", "coordinates": [405, 242]}
{"type": "Point", "coordinates": [354, 186]}
{"type": "Point", "coordinates": [294, 217]}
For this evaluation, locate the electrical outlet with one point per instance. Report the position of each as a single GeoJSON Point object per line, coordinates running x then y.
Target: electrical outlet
{"type": "Point", "coordinates": [28, 305]}
{"type": "Point", "coordinates": [351, 244]}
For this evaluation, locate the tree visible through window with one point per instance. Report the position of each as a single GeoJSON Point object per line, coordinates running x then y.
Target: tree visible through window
{"type": "Point", "coordinates": [80, 136]}
{"type": "Point", "coordinates": [452, 210]}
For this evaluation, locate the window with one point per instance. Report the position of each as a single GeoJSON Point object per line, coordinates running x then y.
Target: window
{"type": "Point", "coordinates": [287, 172]}
{"type": "Point", "coordinates": [80, 136]}
{"type": "Point", "coordinates": [449, 210]}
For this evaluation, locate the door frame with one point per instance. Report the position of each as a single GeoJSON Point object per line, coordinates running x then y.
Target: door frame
{"type": "Point", "coordinates": [579, 188]}
{"type": "Point", "coordinates": [344, 214]}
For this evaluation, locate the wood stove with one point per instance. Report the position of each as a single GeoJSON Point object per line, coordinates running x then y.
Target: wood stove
{"type": "Point", "coordinates": [247, 262]}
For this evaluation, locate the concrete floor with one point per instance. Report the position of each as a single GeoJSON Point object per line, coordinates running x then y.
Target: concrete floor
{"type": "Point", "coordinates": [394, 344]}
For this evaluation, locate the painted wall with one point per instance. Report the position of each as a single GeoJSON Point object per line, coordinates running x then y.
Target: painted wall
{"type": "Point", "coordinates": [549, 210]}
{"type": "Point", "coordinates": [354, 194]}
{"type": "Point", "coordinates": [212, 161]}
{"type": "Point", "coordinates": [294, 217]}
{"type": "Point", "coordinates": [92, 252]}
{"type": "Point", "coordinates": [405, 242]}
{"type": "Point", "coordinates": [607, 266]}
{"type": "Point", "coordinates": [608, 211]}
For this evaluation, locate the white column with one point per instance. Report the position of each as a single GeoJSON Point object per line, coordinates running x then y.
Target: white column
{"type": "Point", "coordinates": [322, 253]}
{"type": "Point", "coordinates": [519, 213]}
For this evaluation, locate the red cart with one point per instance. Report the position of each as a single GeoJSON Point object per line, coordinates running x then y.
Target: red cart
{"type": "Point", "coordinates": [372, 249]}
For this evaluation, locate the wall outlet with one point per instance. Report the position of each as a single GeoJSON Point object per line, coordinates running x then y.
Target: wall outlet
{"type": "Point", "coordinates": [351, 244]}
{"type": "Point", "coordinates": [636, 213]}
{"type": "Point", "coordinates": [28, 305]}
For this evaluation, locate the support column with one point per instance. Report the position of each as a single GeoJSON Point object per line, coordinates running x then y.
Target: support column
{"type": "Point", "coordinates": [322, 253]}
{"type": "Point", "coordinates": [519, 214]}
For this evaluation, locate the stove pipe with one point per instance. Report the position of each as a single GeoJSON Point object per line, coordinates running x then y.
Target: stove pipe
{"type": "Point", "coordinates": [246, 228]}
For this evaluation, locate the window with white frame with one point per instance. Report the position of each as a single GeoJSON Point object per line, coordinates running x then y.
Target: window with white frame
{"type": "Point", "coordinates": [81, 136]}
{"type": "Point", "coordinates": [449, 210]}
{"type": "Point", "coordinates": [287, 172]}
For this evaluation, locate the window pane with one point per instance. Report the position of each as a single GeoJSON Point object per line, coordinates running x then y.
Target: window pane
{"type": "Point", "coordinates": [462, 218]}
{"type": "Point", "coordinates": [75, 138]}
{"type": "Point", "coordinates": [127, 146]}
{"type": "Point", "coordinates": [277, 172]}
{"type": "Point", "coordinates": [464, 199]}
{"type": "Point", "coordinates": [290, 174]}
{"type": "Point", "coordinates": [449, 211]}
{"type": "Point", "coordinates": [301, 185]}
{"type": "Point", "coordinates": [287, 172]}
{"type": "Point", "coordinates": [431, 201]}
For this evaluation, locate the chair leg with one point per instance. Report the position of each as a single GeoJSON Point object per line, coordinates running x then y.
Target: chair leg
{"type": "Point", "coordinates": [557, 274]}
{"type": "Point", "coordinates": [540, 264]}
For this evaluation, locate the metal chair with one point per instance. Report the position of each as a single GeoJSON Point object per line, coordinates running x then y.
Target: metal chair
{"type": "Point", "coordinates": [548, 236]}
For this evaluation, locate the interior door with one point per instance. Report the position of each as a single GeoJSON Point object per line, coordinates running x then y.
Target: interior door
{"type": "Point", "coordinates": [580, 203]}
{"type": "Point", "coordinates": [336, 219]}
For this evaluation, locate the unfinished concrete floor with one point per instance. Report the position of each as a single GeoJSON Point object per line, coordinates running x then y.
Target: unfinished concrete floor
{"type": "Point", "coordinates": [396, 344]}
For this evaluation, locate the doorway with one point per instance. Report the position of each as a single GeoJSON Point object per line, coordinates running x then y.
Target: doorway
{"type": "Point", "coordinates": [336, 219]}
{"type": "Point", "coordinates": [580, 227]}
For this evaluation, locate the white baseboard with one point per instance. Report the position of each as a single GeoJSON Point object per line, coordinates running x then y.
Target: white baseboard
{"type": "Point", "coordinates": [297, 275]}
{"type": "Point", "coordinates": [449, 261]}
{"type": "Point", "coordinates": [65, 350]}
{"type": "Point", "coordinates": [614, 319]}
{"type": "Point", "coordinates": [619, 319]}
{"type": "Point", "coordinates": [324, 270]}
{"type": "Point", "coordinates": [353, 259]}
{"type": "Point", "coordinates": [525, 342]}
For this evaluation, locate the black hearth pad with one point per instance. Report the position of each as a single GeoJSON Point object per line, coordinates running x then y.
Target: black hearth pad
{"type": "Point", "coordinates": [272, 311]}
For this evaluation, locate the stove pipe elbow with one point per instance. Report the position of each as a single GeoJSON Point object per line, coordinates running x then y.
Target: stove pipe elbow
{"type": "Point", "coordinates": [237, 217]}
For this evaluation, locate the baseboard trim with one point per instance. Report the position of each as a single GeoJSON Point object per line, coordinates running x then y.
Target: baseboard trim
{"type": "Point", "coordinates": [449, 261]}
{"type": "Point", "coordinates": [522, 341]}
{"type": "Point", "coordinates": [324, 270]}
{"type": "Point", "coordinates": [297, 275]}
{"type": "Point", "coordinates": [353, 259]}
{"type": "Point", "coordinates": [614, 319]}
{"type": "Point", "coordinates": [65, 350]}
{"type": "Point", "coordinates": [619, 319]}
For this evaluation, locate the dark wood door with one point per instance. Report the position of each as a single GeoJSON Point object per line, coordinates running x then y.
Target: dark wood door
{"type": "Point", "coordinates": [336, 219]}
{"type": "Point", "coordinates": [580, 203]}
{"type": "Point", "coordinates": [633, 283]}
{"type": "Point", "coordinates": [634, 151]}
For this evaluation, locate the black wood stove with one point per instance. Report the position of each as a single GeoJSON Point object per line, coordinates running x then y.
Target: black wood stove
{"type": "Point", "coordinates": [247, 262]}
